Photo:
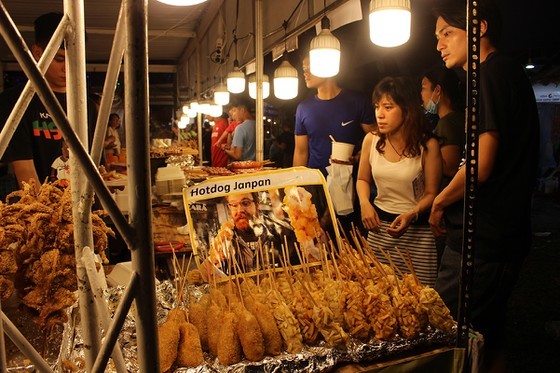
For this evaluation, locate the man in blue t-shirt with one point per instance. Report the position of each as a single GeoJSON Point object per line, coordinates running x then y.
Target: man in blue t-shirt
{"type": "Point", "coordinates": [340, 113]}
{"type": "Point", "coordinates": [243, 145]}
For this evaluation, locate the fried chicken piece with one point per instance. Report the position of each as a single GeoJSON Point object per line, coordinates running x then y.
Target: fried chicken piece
{"type": "Point", "coordinates": [270, 332]}
{"type": "Point", "coordinates": [169, 336]}
{"type": "Point", "coordinates": [214, 324]}
{"type": "Point", "coordinates": [250, 334]}
{"type": "Point", "coordinates": [198, 313]}
{"type": "Point", "coordinates": [8, 264]}
{"type": "Point", "coordinates": [177, 315]}
{"type": "Point", "coordinates": [229, 346]}
{"type": "Point", "coordinates": [6, 287]}
{"type": "Point", "coordinates": [190, 350]}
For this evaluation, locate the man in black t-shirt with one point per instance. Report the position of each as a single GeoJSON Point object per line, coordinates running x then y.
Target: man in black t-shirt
{"type": "Point", "coordinates": [37, 142]}
{"type": "Point", "coordinates": [507, 163]}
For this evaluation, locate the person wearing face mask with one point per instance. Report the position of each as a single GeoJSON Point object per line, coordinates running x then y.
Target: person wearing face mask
{"type": "Point", "coordinates": [442, 95]}
{"type": "Point", "coordinates": [402, 159]}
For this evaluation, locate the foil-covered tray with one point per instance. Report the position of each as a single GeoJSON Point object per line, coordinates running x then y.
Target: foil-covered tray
{"type": "Point", "coordinates": [316, 358]}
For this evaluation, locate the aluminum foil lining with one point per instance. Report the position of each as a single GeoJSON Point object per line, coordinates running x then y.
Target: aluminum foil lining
{"type": "Point", "coordinates": [317, 358]}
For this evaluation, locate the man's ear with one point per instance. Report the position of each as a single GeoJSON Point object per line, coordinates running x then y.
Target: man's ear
{"type": "Point", "coordinates": [483, 28]}
{"type": "Point", "coordinates": [36, 51]}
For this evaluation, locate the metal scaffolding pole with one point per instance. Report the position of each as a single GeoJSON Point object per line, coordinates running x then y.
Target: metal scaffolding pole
{"type": "Point", "coordinates": [471, 182]}
{"type": "Point", "coordinates": [76, 99]}
{"type": "Point", "coordinates": [259, 65]}
{"type": "Point", "coordinates": [137, 144]}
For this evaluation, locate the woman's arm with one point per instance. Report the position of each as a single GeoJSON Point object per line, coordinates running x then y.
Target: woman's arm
{"type": "Point", "coordinates": [370, 219]}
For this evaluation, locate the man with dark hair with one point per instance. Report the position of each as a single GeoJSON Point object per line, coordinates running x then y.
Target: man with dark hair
{"type": "Point", "coordinates": [243, 145]}
{"type": "Point", "coordinates": [507, 162]}
{"type": "Point", "coordinates": [37, 142]}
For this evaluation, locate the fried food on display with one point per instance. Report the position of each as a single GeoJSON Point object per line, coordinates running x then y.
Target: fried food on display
{"type": "Point", "coordinates": [189, 352]}
{"type": "Point", "coordinates": [169, 336]}
{"type": "Point", "coordinates": [304, 219]}
{"type": "Point", "coordinates": [37, 248]}
{"type": "Point", "coordinates": [229, 345]}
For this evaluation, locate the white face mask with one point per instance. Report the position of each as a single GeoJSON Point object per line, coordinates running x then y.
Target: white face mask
{"type": "Point", "coordinates": [432, 106]}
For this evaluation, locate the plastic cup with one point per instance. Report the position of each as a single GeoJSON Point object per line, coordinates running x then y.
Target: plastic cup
{"type": "Point", "coordinates": [342, 151]}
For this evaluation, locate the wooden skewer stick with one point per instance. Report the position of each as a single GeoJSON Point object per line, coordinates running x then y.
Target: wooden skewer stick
{"type": "Point", "coordinates": [406, 263]}
{"type": "Point", "coordinates": [363, 257]}
{"type": "Point", "coordinates": [304, 286]}
{"type": "Point", "coordinates": [235, 266]}
{"type": "Point", "coordinates": [335, 264]}
{"type": "Point", "coordinates": [185, 272]}
{"type": "Point", "coordinates": [412, 268]}
{"type": "Point", "coordinates": [342, 231]}
{"type": "Point", "coordinates": [285, 269]}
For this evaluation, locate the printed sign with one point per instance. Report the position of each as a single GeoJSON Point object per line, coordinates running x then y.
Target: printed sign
{"type": "Point", "coordinates": [261, 220]}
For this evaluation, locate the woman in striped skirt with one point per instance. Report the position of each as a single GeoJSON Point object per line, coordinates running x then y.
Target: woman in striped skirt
{"type": "Point", "coordinates": [404, 161]}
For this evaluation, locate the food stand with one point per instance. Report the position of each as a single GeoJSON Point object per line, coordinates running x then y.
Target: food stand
{"type": "Point", "coordinates": [137, 231]}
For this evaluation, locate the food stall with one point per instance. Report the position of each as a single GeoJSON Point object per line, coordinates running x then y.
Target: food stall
{"type": "Point", "coordinates": [137, 231]}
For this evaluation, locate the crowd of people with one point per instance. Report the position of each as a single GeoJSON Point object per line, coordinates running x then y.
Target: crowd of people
{"type": "Point", "coordinates": [410, 181]}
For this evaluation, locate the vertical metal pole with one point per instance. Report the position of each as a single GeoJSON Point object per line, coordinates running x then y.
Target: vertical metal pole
{"type": "Point", "coordinates": [140, 216]}
{"type": "Point", "coordinates": [259, 66]}
{"type": "Point", "coordinates": [81, 203]}
{"type": "Point", "coordinates": [111, 77]}
{"type": "Point", "coordinates": [199, 117]}
{"type": "Point", "coordinates": [2, 344]}
{"type": "Point", "coordinates": [469, 217]}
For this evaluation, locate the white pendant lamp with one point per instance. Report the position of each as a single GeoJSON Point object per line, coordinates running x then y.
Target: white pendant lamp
{"type": "Point", "coordinates": [221, 95]}
{"type": "Point", "coordinates": [253, 86]}
{"type": "Point", "coordinates": [389, 22]}
{"type": "Point", "coordinates": [236, 79]}
{"type": "Point", "coordinates": [285, 81]}
{"type": "Point", "coordinates": [204, 107]}
{"type": "Point", "coordinates": [182, 2]}
{"type": "Point", "coordinates": [216, 111]}
{"type": "Point", "coordinates": [324, 52]}
{"type": "Point", "coordinates": [191, 113]}
{"type": "Point", "coordinates": [194, 105]}
{"type": "Point", "coordinates": [183, 122]}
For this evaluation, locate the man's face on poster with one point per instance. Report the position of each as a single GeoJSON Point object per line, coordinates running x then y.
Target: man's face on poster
{"type": "Point", "coordinates": [242, 208]}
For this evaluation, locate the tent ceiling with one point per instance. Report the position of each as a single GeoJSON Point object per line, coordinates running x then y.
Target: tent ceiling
{"type": "Point", "coordinates": [169, 28]}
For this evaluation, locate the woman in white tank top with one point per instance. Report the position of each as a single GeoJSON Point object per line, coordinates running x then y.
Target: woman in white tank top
{"type": "Point", "coordinates": [404, 161]}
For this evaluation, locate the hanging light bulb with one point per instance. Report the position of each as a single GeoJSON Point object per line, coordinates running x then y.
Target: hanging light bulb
{"type": "Point", "coordinates": [530, 65]}
{"type": "Point", "coordinates": [182, 2]}
{"type": "Point", "coordinates": [204, 107]}
{"type": "Point", "coordinates": [324, 52]}
{"type": "Point", "coordinates": [221, 95]}
{"type": "Point", "coordinates": [285, 81]}
{"type": "Point", "coordinates": [194, 104]}
{"type": "Point", "coordinates": [191, 113]}
{"type": "Point", "coordinates": [216, 111]}
{"type": "Point", "coordinates": [183, 122]}
{"type": "Point", "coordinates": [236, 79]}
{"type": "Point", "coordinates": [185, 109]}
{"type": "Point", "coordinates": [253, 86]}
{"type": "Point", "coordinates": [389, 22]}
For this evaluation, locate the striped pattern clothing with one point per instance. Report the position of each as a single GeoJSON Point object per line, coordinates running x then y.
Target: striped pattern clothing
{"type": "Point", "coordinates": [420, 243]}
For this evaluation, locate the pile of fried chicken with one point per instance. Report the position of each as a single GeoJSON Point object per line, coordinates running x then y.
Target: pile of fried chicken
{"type": "Point", "coordinates": [37, 249]}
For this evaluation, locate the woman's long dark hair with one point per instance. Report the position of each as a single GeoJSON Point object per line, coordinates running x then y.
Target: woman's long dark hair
{"type": "Point", "coordinates": [404, 93]}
